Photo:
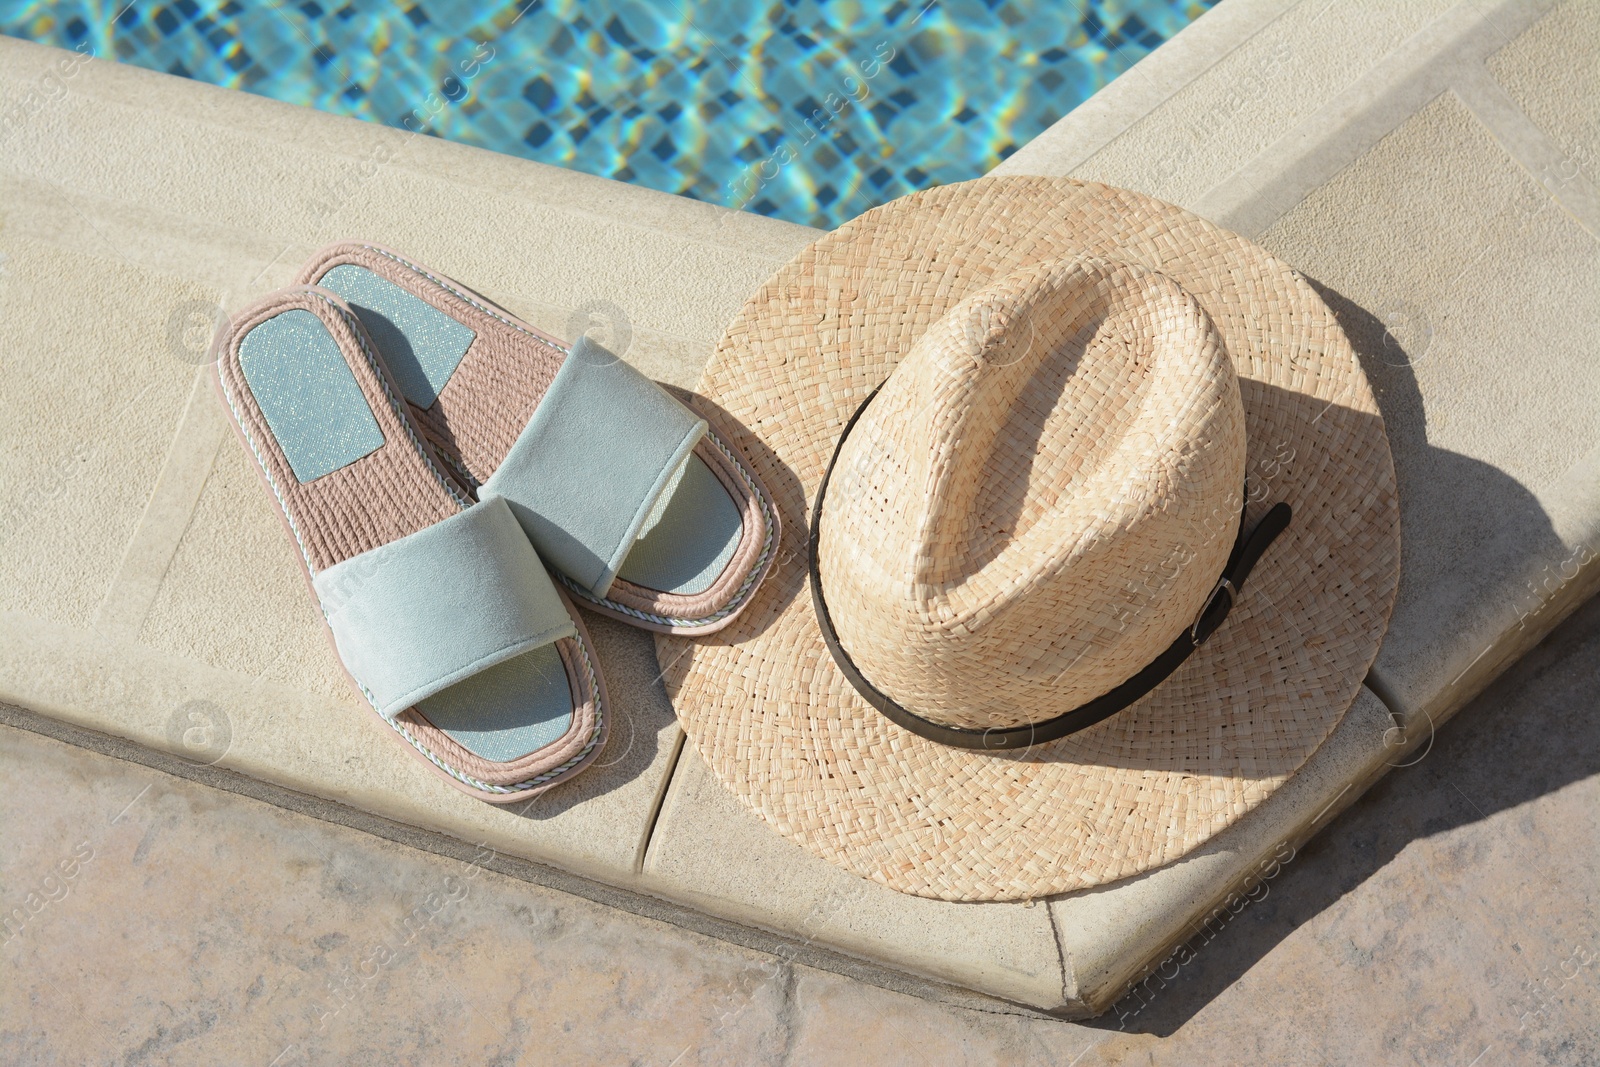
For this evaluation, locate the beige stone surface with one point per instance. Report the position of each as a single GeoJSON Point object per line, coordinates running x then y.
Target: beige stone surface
{"type": "Point", "coordinates": [1490, 387]}
{"type": "Point", "coordinates": [712, 853]}
{"type": "Point", "coordinates": [1560, 98]}
{"type": "Point", "coordinates": [148, 579]}
{"type": "Point", "coordinates": [846, 1024]}
{"type": "Point", "coordinates": [87, 424]}
{"type": "Point", "coordinates": [192, 926]}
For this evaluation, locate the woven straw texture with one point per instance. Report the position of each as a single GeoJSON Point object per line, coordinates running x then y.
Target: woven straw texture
{"type": "Point", "coordinates": [1007, 519]}
{"type": "Point", "coordinates": [771, 715]}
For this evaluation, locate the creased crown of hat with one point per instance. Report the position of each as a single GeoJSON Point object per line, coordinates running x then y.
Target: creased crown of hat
{"type": "Point", "coordinates": [1005, 523]}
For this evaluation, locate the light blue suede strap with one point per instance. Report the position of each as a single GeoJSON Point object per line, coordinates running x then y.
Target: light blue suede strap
{"type": "Point", "coordinates": [592, 462]}
{"type": "Point", "coordinates": [422, 613]}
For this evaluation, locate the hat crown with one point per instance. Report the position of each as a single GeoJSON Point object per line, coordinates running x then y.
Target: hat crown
{"type": "Point", "coordinates": [1040, 497]}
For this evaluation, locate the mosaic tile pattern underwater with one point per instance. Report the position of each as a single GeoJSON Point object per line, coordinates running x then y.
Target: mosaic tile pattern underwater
{"type": "Point", "coordinates": [804, 110]}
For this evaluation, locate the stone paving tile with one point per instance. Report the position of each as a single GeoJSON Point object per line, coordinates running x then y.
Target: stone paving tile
{"type": "Point", "coordinates": [1452, 913]}
{"type": "Point", "coordinates": [846, 1023]}
{"type": "Point", "coordinates": [167, 922]}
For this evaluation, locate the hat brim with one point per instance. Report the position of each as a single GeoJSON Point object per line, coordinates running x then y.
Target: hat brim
{"type": "Point", "coordinates": [763, 702]}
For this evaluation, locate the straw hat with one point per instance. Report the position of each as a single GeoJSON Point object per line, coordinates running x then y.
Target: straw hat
{"type": "Point", "coordinates": [1041, 431]}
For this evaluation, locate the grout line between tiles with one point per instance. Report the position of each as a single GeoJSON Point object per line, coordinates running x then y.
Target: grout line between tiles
{"type": "Point", "coordinates": [167, 513]}
{"type": "Point", "coordinates": [658, 804]}
{"type": "Point", "coordinates": [1069, 975]}
{"type": "Point", "coordinates": [1526, 143]}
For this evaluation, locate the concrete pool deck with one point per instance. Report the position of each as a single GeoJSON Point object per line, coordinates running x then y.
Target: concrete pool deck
{"type": "Point", "coordinates": [1432, 170]}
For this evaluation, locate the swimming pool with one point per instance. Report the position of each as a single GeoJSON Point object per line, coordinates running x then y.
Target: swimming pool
{"type": "Point", "coordinates": [798, 109]}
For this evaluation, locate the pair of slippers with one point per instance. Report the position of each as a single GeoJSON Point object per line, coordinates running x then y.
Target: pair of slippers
{"type": "Point", "coordinates": [454, 480]}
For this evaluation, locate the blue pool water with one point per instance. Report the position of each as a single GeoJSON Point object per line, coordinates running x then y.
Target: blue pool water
{"type": "Point", "coordinates": [808, 111]}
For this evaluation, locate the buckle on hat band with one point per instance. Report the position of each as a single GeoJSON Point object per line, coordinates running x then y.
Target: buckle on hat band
{"type": "Point", "coordinates": [1222, 586]}
{"type": "Point", "coordinates": [1247, 551]}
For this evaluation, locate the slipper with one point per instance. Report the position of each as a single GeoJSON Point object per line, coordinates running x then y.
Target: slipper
{"type": "Point", "coordinates": [635, 504]}
{"type": "Point", "coordinates": [438, 607]}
